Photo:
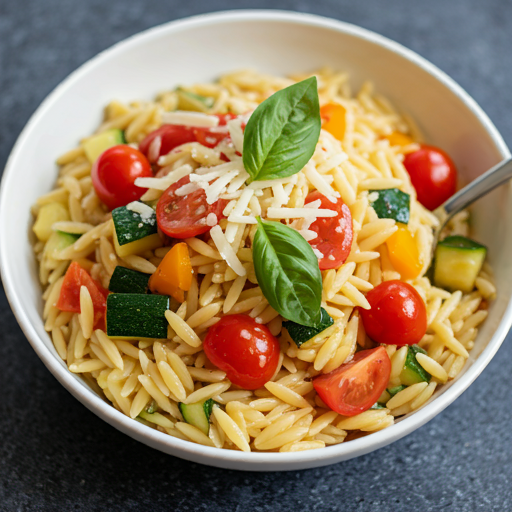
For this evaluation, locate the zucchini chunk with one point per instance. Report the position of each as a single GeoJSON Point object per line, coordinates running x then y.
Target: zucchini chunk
{"type": "Point", "coordinates": [47, 216]}
{"type": "Point", "coordinates": [198, 414]}
{"type": "Point", "coordinates": [134, 232]}
{"type": "Point", "coordinates": [391, 203]}
{"type": "Point", "coordinates": [126, 280]}
{"type": "Point", "coordinates": [59, 240]}
{"type": "Point", "coordinates": [300, 333]}
{"type": "Point", "coordinates": [393, 391]}
{"type": "Point", "coordinates": [191, 101]}
{"type": "Point", "coordinates": [97, 144]}
{"type": "Point", "coordinates": [413, 372]}
{"type": "Point", "coordinates": [458, 261]}
{"type": "Point", "coordinates": [137, 316]}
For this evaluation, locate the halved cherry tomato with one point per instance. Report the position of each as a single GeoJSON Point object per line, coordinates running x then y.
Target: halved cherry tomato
{"type": "Point", "coordinates": [334, 234]}
{"type": "Point", "coordinates": [244, 349]}
{"type": "Point", "coordinates": [114, 174]}
{"type": "Point", "coordinates": [433, 175]}
{"type": "Point", "coordinates": [171, 136]}
{"type": "Point", "coordinates": [185, 216]}
{"type": "Point", "coordinates": [354, 387]}
{"type": "Point", "coordinates": [398, 315]}
{"type": "Point", "coordinates": [69, 298]}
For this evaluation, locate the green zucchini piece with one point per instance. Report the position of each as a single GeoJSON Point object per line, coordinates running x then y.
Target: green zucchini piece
{"type": "Point", "coordinates": [413, 372]}
{"type": "Point", "coordinates": [137, 315]}
{"type": "Point", "coordinates": [131, 226]}
{"type": "Point", "coordinates": [391, 203]}
{"type": "Point", "coordinates": [191, 101]}
{"type": "Point", "coordinates": [49, 214]}
{"type": "Point", "coordinates": [393, 391]}
{"type": "Point", "coordinates": [198, 414]}
{"type": "Point", "coordinates": [97, 144]}
{"type": "Point", "coordinates": [300, 333]}
{"type": "Point", "coordinates": [378, 405]}
{"type": "Point", "coordinates": [458, 261]}
{"type": "Point", "coordinates": [59, 240]}
{"type": "Point", "coordinates": [126, 280]}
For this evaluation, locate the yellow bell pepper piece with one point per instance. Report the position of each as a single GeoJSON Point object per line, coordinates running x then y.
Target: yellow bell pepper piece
{"type": "Point", "coordinates": [399, 139]}
{"type": "Point", "coordinates": [174, 274]}
{"type": "Point", "coordinates": [47, 216]}
{"type": "Point", "coordinates": [148, 243]}
{"type": "Point", "coordinates": [334, 120]}
{"type": "Point", "coordinates": [403, 253]}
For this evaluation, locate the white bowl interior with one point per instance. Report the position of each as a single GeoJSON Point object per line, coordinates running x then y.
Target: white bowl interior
{"type": "Point", "coordinates": [200, 49]}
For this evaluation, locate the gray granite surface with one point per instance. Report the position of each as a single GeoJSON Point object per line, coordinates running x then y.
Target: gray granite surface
{"type": "Point", "coordinates": [56, 455]}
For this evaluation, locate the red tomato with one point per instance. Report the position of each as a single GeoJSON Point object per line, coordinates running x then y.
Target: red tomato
{"type": "Point", "coordinates": [114, 174]}
{"type": "Point", "coordinates": [185, 216]}
{"type": "Point", "coordinates": [171, 136]}
{"type": "Point", "coordinates": [244, 349]}
{"type": "Point", "coordinates": [69, 298]}
{"type": "Point", "coordinates": [433, 175]}
{"type": "Point", "coordinates": [354, 387]}
{"type": "Point", "coordinates": [398, 315]}
{"type": "Point", "coordinates": [334, 238]}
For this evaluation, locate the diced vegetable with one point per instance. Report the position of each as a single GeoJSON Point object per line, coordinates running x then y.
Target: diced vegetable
{"type": "Point", "coordinates": [393, 391]}
{"type": "Point", "coordinates": [174, 274]}
{"type": "Point", "coordinates": [191, 101]}
{"type": "Point", "coordinates": [399, 139]}
{"type": "Point", "coordinates": [391, 203]}
{"type": "Point", "coordinates": [198, 414]}
{"type": "Point", "coordinates": [403, 253]}
{"type": "Point", "coordinates": [413, 372]}
{"type": "Point", "coordinates": [126, 280]}
{"type": "Point", "coordinates": [152, 407]}
{"type": "Point", "coordinates": [333, 116]}
{"type": "Point", "coordinates": [69, 298]}
{"type": "Point", "coordinates": [378, 405]}
{"type": "Point", "coordinates": [300, 333]}
{"type": "Point", "coordinates": [458, 261]}
{"type": "Point", "coordinates": [59, 240]}
{"type": "Point", "coordinates": [134, 233]}
{"type": "Point", "coordinates": [137, 316]}
{"type": "Point", "coordinates": [47, 216]}
{"type": "Point", "coordinates": [95, 145]}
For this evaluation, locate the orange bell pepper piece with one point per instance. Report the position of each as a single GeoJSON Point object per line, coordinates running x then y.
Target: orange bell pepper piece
{"type": "Point", "coordinates": [399, 139]}
{"type": "Point", "coordinates": [403, 253]}
{"type": "Point", "coordinates": [174, 274]}
{"type": "Point", "coordinates": [334, 120]}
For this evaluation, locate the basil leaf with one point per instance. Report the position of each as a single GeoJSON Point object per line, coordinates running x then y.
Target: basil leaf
{"type": "Point", "coordinates": [287, 271]}
{"type": "Point", "coordinates": [282, 132]}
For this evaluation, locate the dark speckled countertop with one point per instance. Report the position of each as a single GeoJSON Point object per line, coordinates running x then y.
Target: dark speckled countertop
{"type": "Point", "coordinates": [56, 455]}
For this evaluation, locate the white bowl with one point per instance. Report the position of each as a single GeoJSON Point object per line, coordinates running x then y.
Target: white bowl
{"type": "Point", "coordinates": [201, 48]}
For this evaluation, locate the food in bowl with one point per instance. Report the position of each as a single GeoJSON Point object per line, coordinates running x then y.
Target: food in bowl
{"type": "Point", "coordinates": [244, 264]}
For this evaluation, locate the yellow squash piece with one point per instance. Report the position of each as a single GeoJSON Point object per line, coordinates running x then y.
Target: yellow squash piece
{"type": "Point", "coordinates": [399, 139]}
{"type": "Point", "coordinates": [403, 253]}
{"type": "Point", "coordinates": [147, 243]}
{"type": "Point", "coordinates": [174, 274]}
{"type": "Point", "coordinates": [334, 120]}
{"type": "Point", "coordinates": [47, 216]}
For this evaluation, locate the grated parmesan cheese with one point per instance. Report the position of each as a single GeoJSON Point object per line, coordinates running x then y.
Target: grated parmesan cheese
{"type": "Point", "coordinates": [296, 213]}
{"type": "Point", "coordinates": [318, 254]}
{"type": "Point", "coordinates": [308, 234]}
{"type": "Point", "coordinates": [165, 182]}
{"type": "Point", "coordinates": [187, 118]}
{"type": "Point", "coordinates": [226, 251]}
{"type": "Point", "coordinates": [154, 149]}
{"type": "Point", "coordinates": [186, 189]}
{"type": "Point", "coordinates": [211, 219]}
{"type": "Point", "coordinates": [236, 133]}
{"type": "Point", "coordinates": [147, 214]}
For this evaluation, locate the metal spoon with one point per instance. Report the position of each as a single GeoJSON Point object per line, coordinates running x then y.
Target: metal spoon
{"type": "Point", "coordinates": [484, 184]}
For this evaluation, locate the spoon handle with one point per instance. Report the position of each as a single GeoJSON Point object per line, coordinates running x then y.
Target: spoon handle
{"type": "Point", "coordinates": [488, 181]}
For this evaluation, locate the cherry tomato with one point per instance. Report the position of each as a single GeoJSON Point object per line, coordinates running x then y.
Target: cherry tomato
{"type": "Point", "coordinates": [69, 298]}
{"type": "Point", "coordinates": [334, 234]}
{"type": "Point", "coordinates": [185, 216]}
{"type": "Point", "coordinates": [398, 315]}
{"type": "Point", "coordinates": [114, 174]}
{"type": "Point", "coordinates": [171, 136]}
{"type": "Point", "coordinates": [433, 175]}
{"type": "Point", "coordinates": [355, 386]}
{"type": "Point", "coordinates": [244, 349]}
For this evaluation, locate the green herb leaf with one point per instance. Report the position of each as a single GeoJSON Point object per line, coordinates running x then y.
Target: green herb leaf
{"type": "Point", "coordinates": [287, 271]}
{"type": "Point", "coordinates": [282, 132]}
{"type": "Point", "coordinates": [300, 333]}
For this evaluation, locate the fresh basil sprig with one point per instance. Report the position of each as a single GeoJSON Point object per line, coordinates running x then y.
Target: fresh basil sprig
{"type": "Point", "coordinates": [287, 271]}
{"type": "Point", "coordinates": [282, 132]}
